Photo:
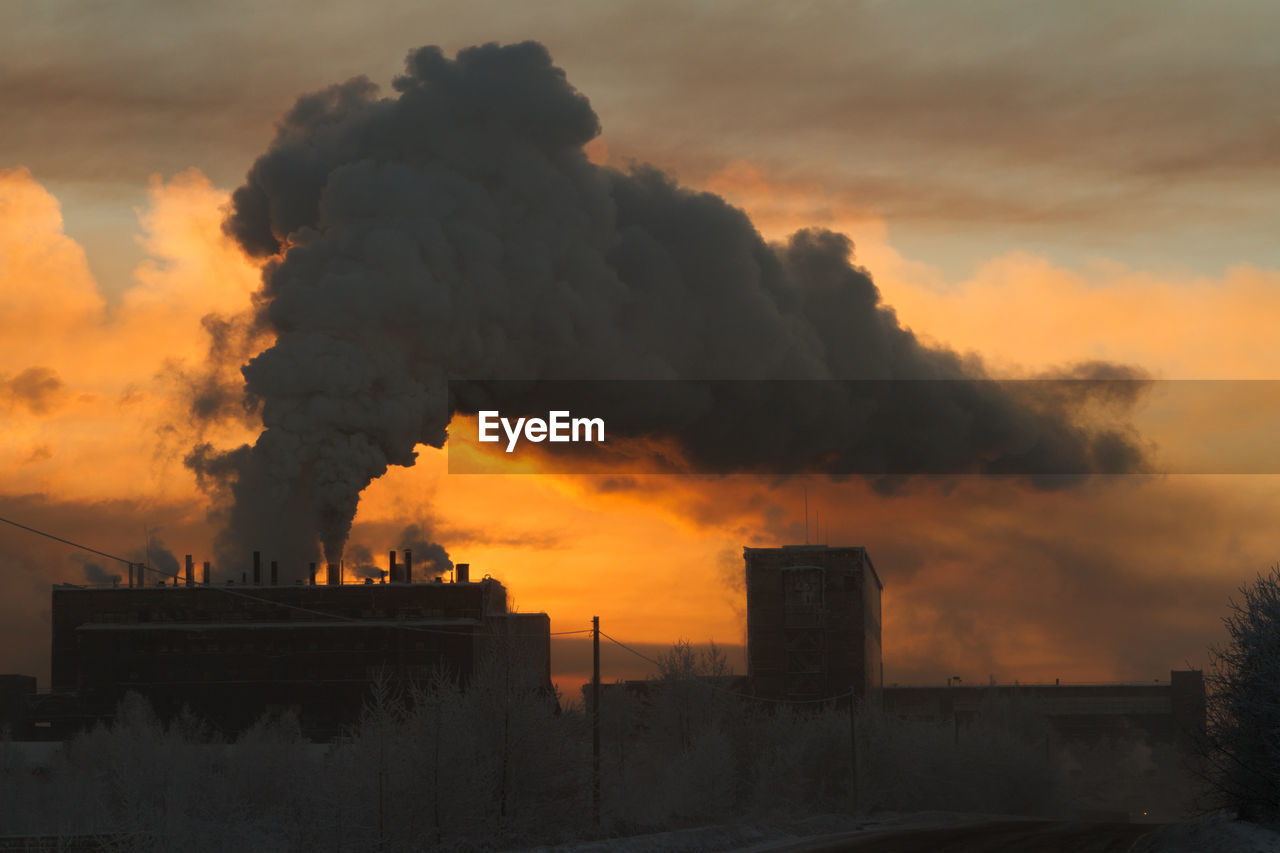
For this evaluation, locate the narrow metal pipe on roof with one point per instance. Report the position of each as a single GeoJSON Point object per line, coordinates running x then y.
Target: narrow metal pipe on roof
{"type": "Point", "coordinates": [392, 574]}
{"type": "Point", "coordinates": [408, 566]}
{"type": "Point", "coordinates": [205, 573]}
{"type": "Point", "coordinates": [191, 571]}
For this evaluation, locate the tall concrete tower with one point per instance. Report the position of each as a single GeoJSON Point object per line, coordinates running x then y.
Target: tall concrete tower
{"type": "Point", "coordinates": [813, 622]}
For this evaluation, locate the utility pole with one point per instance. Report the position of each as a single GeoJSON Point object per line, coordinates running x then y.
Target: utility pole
{"type": "Point", "coordinates": [853, 750]}
{"type": "Point", "coordinates": [595, 719]}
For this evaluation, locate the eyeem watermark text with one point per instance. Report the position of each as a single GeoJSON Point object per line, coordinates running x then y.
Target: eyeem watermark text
{"type": "Point", "coordinates": [559, 426]}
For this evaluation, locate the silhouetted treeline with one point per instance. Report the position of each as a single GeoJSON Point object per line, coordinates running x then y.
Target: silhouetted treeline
{"type": "Point", "coordinates": [501, 765]}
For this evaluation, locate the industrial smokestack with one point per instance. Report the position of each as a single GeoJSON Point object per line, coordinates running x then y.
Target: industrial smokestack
{"type": "Point", "coordinates": [408, 565]}
{"type": "Point", "coordinates": [335, 575]}
{"type": "Point", "coordinates": [205, 573]}
{"type": "Point", "coordinates": [131, 575]}
{"type": "Point", "coordinates": [275, 574]}
{"type": "Point", "coordinates": [464, 573]}
{"type": "Point", "coordinates": [191, 571]}
{"type": "Point", "coordinates": [392, 573]}
{"type": "Point", "coordinates": [311, 574]}
{"type": "Point", "coordinates": [257, 568]}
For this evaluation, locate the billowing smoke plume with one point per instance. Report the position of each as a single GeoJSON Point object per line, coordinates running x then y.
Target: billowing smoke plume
{"type": "Point", "coordinates": [362, 565]}
{"type": "Point", "coordinates": [157, 556]}
{"type": "Point", "coordinates": [457, 230]}
{"type": "Point", "coordinates": [94, 573]}
{"type": "Point", "coordinates": [430, 559]}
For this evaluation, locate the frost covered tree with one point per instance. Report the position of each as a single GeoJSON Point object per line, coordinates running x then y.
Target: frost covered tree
{"type": "Point", "coordinates": [1243, 746]}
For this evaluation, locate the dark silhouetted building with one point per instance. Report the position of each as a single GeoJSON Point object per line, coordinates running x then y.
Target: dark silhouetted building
{"type": "Point", "coordinates": [1172, 713]}
{"type": "Point", "coordinates": [231, 653]}
{"type": "Point", "coordinates": [813, 622]}
{"type": "Point", "coordinates": [16, 695]}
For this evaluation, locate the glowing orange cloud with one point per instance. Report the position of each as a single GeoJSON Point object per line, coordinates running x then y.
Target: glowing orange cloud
{"type": "Point", "coordinates": [1023, 313]}
{"type": "Point", "coordinates": [101, 438]}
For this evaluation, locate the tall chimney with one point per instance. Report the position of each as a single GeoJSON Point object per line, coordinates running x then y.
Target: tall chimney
{"type": "Point", "coordinates": [257, 568]}
{"type": "Point", "coordinates": [191, 571]}
{"type": "Point", "coordinates": [275, 574]}
{"type": "Point", "coordinates": [408, 566]}
{"type": "Point", "coordinates": [205, 578]}
{"type": "Point", "coordinates": [335, 575]}
{"type": "Point", "coordinates": [311, 574]}
{"type": "Point", "coordinates": [392, 575]}
{"type": "Point", "coordinates": [463, 573]}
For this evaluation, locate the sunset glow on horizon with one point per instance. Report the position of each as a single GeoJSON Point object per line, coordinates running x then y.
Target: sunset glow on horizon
{"type": "Point", "coordinates": [1119, 578]}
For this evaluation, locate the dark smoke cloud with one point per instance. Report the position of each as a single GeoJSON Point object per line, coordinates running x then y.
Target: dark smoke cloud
{"type": "Point", "coordinates": [37, 389]}
{"type": "Point", "coordinates": [157, 556]}
{"type": "Point", "coordinates": [457, 230]}
{"type": "Point", "coordinates": [430, 559]}
{"type": "Point", "coordinates": [362, 565]}
{"type": "Point", "coordinates": [94, 573]}
{"type": "Point", "coordinates": [211, 392]}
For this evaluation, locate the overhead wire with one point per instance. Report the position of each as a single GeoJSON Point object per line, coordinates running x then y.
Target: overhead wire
{"type": "Point", "coordinates": [715, 686]}
{"type": "Point", "coordinates": [251, 597]}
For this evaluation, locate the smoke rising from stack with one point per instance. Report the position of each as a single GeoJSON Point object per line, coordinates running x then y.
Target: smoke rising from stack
{"type": "Point", "coordinates": [456, 230]}
{"type": "Point", "coordinates": [362, 564]}
{"type": "Point", "coordinates": [158, 557]}
{"type": "Point", "coordinates": [94, 573]}
{"type": "Point", "coordinates": [430, 559]}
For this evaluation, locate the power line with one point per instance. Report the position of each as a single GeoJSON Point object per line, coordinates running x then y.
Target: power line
{"type": "Point", "coordinates": [73, 544]}
{"type": "Point", "coordinates": [714, 686]}
{"type": "Point", "coordinates": [628, 648]}
{"type": "Point", "coordinates": [282, 604]}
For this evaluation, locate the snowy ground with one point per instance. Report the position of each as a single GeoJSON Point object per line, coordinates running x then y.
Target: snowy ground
{"type": "Point", "coordinates": [1214, 834]}
{"type": "Point", "coordinates": [768, 835]}
{"type": "Point", "coordinates": [1217, 833]}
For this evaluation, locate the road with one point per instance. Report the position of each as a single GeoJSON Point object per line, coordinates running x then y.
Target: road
{"type": "Point", "coordinates": [1017, 836]}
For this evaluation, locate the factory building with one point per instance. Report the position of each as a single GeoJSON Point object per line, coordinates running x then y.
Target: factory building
{"type": "Point", "coordinates": [813, 632]}
{"type": "Point", "coordinates": [813, 622]}
{"type": "Point", "coordinates": [1171, 712]}
{"type": "Point", "coordinates": [233, 652]}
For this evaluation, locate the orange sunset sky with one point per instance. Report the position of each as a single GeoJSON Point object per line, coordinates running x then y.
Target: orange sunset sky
{"type": "Point", "coordinates": [1034, 186]}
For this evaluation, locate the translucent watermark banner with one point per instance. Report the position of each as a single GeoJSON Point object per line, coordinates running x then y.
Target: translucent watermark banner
{"type": "Point", "coordinates": [1043, 428]}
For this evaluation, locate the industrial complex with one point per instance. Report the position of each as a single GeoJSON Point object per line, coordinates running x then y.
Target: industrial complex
{"type": "Point", "coordinates": [233, 651]}
{"type": "Point", "coordinates": [230, 653]}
